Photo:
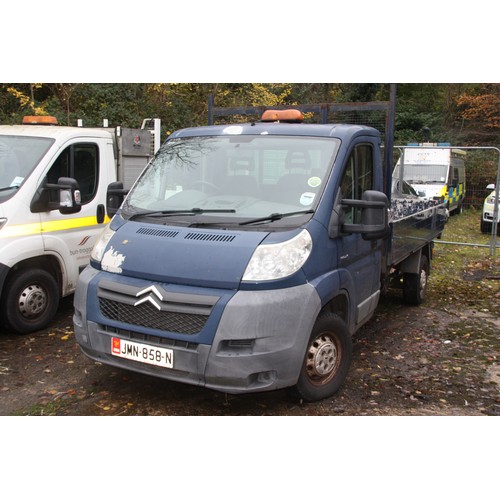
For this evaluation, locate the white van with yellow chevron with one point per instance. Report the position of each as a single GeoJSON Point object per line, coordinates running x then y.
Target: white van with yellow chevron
{"type": "Point", "coordinates": [435, 170]}
{"type": "Point", "coordinates": [53, 190]}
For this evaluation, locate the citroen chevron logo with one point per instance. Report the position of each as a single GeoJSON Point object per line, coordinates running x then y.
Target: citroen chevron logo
{"type": "Point", "coordinates": [152, 291]}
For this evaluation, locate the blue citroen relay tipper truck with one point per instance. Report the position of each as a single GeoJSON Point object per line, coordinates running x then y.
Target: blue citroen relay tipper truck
{"type": "Point", "coordinates": [246, 256]}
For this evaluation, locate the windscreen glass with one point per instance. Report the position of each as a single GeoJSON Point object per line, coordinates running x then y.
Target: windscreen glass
{"type": "Point", "coordinates": [18, 157]}
{"type": "Point", "coordinates": [423, 174]}
{"type": "Point", "coordinates": [240, 176]}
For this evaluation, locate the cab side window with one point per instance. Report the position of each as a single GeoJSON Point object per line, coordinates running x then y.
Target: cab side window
{"type": "Point", "coordinates": [81, 162]}
{"type": "Point", "coordinates": [357, 178]}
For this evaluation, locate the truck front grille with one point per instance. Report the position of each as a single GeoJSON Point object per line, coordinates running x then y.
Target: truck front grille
{"type": "Point", "coordinates": [155, 307]}
{"type": "Point", "coordinates": [148, 316]}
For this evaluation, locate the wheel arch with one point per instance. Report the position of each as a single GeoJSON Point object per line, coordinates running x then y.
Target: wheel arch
{"type": "Point", "coordinates": [412, 263]}
{"type": "Point", "coordinates": [338, 305]}
{"type": "Point", "coordinates": [333, 290]}
{"type": "Point", "coordinates": [47, 262]}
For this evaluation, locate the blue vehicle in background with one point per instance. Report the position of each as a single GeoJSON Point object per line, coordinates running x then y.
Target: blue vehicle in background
{"type": "Point", "coordinates": [247, 255]}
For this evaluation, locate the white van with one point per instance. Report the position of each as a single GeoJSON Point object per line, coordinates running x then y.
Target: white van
{"type": "Point", "coordinates": [53, 192]}
{"type": "Point", "coordinates": [435, 172]}
{"type": "Point", "coordinates": [488, 213]}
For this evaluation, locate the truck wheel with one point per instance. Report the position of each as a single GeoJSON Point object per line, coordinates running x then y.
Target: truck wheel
{"type": "Point", "coordinates": [415, 284]}
{"type": "Point", "coordinates": [31, 299]}
{"type": "Point", "coordinates": [327, 359]}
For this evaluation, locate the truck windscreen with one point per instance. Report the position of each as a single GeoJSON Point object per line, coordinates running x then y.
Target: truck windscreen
{"type": "Point", "coordinates": [242, 177]}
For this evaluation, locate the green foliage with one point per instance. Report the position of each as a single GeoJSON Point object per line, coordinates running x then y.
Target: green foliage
{"type": "Point", "coordinates": [9, 106]}
{"type": "Point", "coordinates": [410, 125]}
{"type": "Point", "coordinates": [308, 93]}
{"type": "Point", "coordinates": [457, 113]}
{"type": "Point", "coordinates": [121, 104]}
{"type": "Point", "coordinates": [179, 105]}
{"type": "Point", "coordinates": [362, 92]}
{"type": "Point", "coordinates": [481, 170]}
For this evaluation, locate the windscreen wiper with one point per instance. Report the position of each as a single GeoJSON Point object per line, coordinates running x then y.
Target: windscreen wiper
{"type": "Point", "coordinates": [9, 187]}
{"type": "Point", "coordinates": [192, 211]}
{"type": "Point", "coordinates": [275, 216]}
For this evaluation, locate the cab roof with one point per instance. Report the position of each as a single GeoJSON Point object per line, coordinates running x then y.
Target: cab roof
{"type": "Point", "coordinates": [340, 131]}
{"type": "Point", "coordinates": [56, 132]}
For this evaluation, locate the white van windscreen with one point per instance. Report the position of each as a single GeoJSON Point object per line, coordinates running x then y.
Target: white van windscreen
{"type": "Point", "coordinates": [19, 155]}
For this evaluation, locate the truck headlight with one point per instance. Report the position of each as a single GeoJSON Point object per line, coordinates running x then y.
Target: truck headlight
{"type": "Point", "coordinates": [279, 260]}
{"type": "Point", "coordinates": [100, 246]}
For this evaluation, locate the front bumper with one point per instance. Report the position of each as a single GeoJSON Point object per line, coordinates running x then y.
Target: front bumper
{"type": "Point", "coordinates": [258, 343]}
{"type": "Point", "coordinates": [488, 216]}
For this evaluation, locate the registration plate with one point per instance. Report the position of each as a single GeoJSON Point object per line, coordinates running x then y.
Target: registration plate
{"type": "Point", "coordinates": [144, 353]}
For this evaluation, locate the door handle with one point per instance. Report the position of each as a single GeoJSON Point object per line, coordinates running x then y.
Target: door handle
{"type": "Point", "coordinates": [101, 212]}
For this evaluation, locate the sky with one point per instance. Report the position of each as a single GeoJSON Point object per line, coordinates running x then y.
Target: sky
{"type": "Point", "coordinates": [261, 41]}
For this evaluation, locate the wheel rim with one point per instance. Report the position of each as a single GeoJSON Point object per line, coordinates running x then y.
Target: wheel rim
{"type": "Point", "coordinates": [32, 301]}
{"type": "Point", "coordinates": [322, 359]}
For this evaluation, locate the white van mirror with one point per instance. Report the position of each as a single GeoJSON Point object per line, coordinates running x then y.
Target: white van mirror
{"type": "Point", "coordinates": [66, 192]}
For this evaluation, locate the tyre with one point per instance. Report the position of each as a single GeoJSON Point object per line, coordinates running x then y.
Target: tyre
{"type": "Point", "coordinates": [415, 284]}
{"type": "Point", "coordinates": [327, 359]}
{"type": "Point", "coordinates": [485, 226]}
{"type": "Point", "coordinates": [30, 300]}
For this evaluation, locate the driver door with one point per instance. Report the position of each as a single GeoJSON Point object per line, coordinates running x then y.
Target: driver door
{"type": "Point", "coordinates": [359, 257]}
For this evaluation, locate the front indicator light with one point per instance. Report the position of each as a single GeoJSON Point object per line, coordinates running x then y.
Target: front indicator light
{"type": "Point", "coordinates": [100, 246]}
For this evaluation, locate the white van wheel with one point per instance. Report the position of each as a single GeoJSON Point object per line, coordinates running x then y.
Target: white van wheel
{"type": "Point", "coordinates": [30, 300]}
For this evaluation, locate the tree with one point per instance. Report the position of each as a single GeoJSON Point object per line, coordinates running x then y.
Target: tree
{"type": "Point", "coordinates": [479, 111]}
{"type": "Point", "coordinates": [63, 92]}
{"type": "Point", "coordinates": [457, 113]}
{"type": "Point", "coordinates": [22, 100]}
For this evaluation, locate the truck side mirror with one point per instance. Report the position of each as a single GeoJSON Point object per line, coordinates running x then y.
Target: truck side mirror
{"type": "Point", "coordinates": [337, 218]}
{"type": "Point", "coordinates": [114, 197]}
{"type": "Point", "coordinates": [374, 207]}
{"type": "Point", "coordinates": [66, 192]}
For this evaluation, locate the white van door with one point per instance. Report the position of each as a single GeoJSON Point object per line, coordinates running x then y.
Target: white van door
{"type": "Point", "coordinates": [71, 237]}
